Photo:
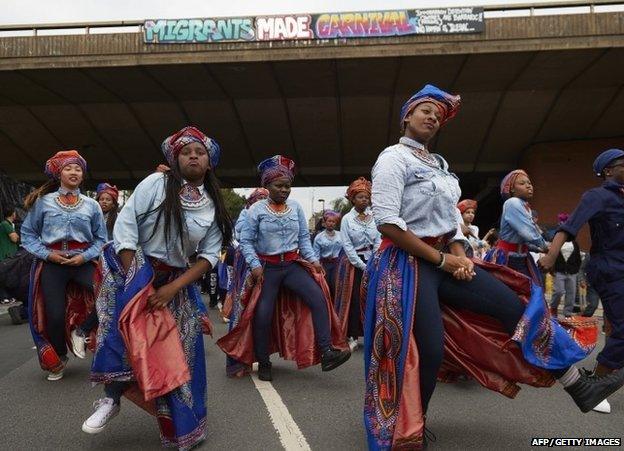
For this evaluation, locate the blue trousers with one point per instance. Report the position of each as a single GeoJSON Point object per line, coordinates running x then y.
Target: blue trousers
{"type": "Point", "coordinates": [612, 297]}
{"type": "Point", "coordinates": [484, 294]}
{"type": "Point", "coordinates": [294, 277]}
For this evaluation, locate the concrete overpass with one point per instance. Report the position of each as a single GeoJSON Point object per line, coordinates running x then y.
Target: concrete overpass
{"type": "Point", "coordinates": [332, 104]}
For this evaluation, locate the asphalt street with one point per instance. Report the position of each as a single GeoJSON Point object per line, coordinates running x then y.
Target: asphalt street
{"type": "Point", "coordinates": [327, 407]}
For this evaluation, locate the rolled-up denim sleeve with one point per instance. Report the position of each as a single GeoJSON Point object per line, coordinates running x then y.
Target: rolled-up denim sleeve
{"type": "Point", "coordinates": [588, 207]}
{"type": "Point", "coordinates": [249, 235]}
{"type": "Point", "coordinates": [126, 230]}
{"type": "Point", "coordinates": [98, 228]}
{"type": "Point", "coordinates": [31, 232]}
{"type": "Point", "coordinates": [348, 246]}
{"type": "Point", "coordinates": [305, 245]}
{"type": "Point", "coordinates": [209, 248]}
{"type": "Point", "coordinates": [388, 176]}
{"type": "Point", "coordinates": [317, 246]}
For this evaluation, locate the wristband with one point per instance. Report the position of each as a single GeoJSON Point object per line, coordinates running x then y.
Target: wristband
{"type": "Point", "coordinates": [442, 261]}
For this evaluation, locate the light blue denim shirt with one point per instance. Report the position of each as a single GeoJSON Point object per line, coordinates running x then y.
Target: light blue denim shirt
{"type": "Point", "coordinates": [415, 195]}
{"type": "Point", "coordinates": [238, 227]}
{"type": "Point", "coordinates": [326, 246]}
{"type": "Point", "coordinates": [517, 225]}
{"type": "Point", "coordinates": [48, 223]}
{"type": "Point", "coordinates": [134, 228]}
{"type": "Point", "coordinates": [267, 233]}
{"type": "Point", "coordinates": [359, 235]}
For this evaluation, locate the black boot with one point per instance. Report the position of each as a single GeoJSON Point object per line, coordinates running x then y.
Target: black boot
{"type": "Point", "coordinates": [332, 359]}
{"type": "Point", "coordinates": [264, 371]}
{"type": "Point", "coordinates": [590, 389]}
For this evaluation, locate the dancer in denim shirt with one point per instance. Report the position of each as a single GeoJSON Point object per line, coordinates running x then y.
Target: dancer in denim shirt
{"type": "Point", "coordinates": [276, 245]}
{"type": "Point", "coordinates": [327, 245]}
{"type": "Point", "coordinates": [360, 238]}
{"type": "Point", "coordinates": [65, 230]}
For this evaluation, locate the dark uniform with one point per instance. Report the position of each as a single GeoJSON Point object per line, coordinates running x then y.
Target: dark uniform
{"type": "Point", "coordinates": [603, 209]}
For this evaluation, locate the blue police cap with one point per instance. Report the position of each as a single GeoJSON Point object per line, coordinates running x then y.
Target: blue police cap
{"type": "Point", "coordinates": [606, 157]}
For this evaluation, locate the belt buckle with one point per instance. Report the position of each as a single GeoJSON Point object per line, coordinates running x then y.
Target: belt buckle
{"type": "Point", "coordinates": [281, 258]}
{"type": "Point", "coordinates": [64, 245]}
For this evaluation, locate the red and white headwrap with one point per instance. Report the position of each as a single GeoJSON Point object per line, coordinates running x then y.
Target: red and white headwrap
{"type": "Point", "coordinates": [275, 167]}
{"type": "Point", "coordinates": [466, 204]}
{"type": "Point", "coordinates": [359, 185]}
{"type": "Point", "coordinates": [108, 189]}
{"type": "Point", "coordinates": [55, 165]}
{"type": "Point", "coordinates": [172, 145]}
{"type": "Point", "coordinates": [508, 182]}
{"type": "Point", "coordinates": [256, 195]}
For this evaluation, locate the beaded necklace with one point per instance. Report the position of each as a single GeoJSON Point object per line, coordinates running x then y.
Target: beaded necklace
{"type": "Point", "coordinates": [422, 154]}
{"type": "Point", "coordinates": [277, 213]}
{"type": "Point", "coordinates": [192, 198]}
{"type": "Point", "coordinates": [61, 201]}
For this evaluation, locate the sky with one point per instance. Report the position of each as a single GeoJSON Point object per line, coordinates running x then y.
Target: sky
{"type": "Point", "coordinates": [67, 11]}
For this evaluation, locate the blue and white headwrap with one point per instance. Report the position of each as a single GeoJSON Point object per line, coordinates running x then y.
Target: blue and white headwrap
{"type": "Point", "coordinates": [447, 103]}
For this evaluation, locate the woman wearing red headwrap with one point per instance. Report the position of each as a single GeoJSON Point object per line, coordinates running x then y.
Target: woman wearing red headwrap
{"type": "Point", "coordinates": [360, 238]}
{"type": "Point", "coordinates": [152, 319]}
{"type": "Point", "coordinates": [65, 230]}
{"type": "Point", "coordinates": [468, 210]}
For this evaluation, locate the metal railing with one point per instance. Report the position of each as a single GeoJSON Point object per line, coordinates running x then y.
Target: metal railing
{"type": "Point", "coordinates": [490, 11]}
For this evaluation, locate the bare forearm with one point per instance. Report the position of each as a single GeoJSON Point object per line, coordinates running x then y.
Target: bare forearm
{"type": "Point", "coordinates": [126, 256]}
{"type": "Point", "coordinates": [410, 243]}
{"type": "Point", "coordinates": [192, 274]}
{"type": "Point", "coordinates": [457, 249]}
{"type": "Point", "coordinates": [555, 246]}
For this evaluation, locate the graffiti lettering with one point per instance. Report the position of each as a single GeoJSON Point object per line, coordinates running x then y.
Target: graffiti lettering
{"type": "Point", "coordinates": [361, 25]}
{"type": "Point", "coordinates": [198, 30]}
{"type": "Point", "coordinates": [284, 27]}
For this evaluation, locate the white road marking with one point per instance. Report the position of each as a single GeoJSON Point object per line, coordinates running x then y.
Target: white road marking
{"type": "Point", "coordinates": [289, 433]}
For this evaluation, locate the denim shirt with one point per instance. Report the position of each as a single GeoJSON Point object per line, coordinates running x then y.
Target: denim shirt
{"type": "Point", "coordinates": [326, 246]}
{"type": "Point", "coordinates": [238, 227]}
{"type": "Point", "coordinates": [269, 234]}
{"type": "Point", "coordinates": [517, 225]}
{"type": "Point", "coordinates": [134, 228]}
{"type": "Point", "coordinates": [356, 235]}
{"type": "Point", "coordinates": [48, 223]}
{"type": "Point", "coordinates": [414, 195]}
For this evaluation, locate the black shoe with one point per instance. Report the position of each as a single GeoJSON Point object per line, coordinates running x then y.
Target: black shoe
{"type": "Point", "coordinates": [16, 314]}
{"type": "Point", "coordinates": [590, 389]}
{"type": "Point", "coordinates": [332, 359]}
{"type": "Point", "coordinates": [428, 436]}
{"type": "Point", "coordinates": [264, 372]}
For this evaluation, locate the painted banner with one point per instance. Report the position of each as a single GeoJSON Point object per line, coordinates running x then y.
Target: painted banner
{"type": "Point", "coordinates": [368, 24]}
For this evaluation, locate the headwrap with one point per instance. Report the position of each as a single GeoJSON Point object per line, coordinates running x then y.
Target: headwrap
{"type": "Point", "coordinates": [447, 103]}
{"type": "Point", "coordinates": [467, 204]}
{"type": "Point", "coordinates": [605, 158]}
{"type": "Point", "coordinates": [108, 189]}
{"type": "Point", "coordinates": [563, 217]}
{"type": "Point", "coordinates": [508, 182]}
{"type": "Point", "coordinates": [275, 167]}
{"type": "Point", "coordinates": [357, 186]}
{"type": "Point", "coordinates": [331, 214]}
{"type": "Point", "coordinates": [172, 145]}
{"type": "Point", "coordinates": [55, 165]}
{"type": "Point", "coordinates": [256, 195]}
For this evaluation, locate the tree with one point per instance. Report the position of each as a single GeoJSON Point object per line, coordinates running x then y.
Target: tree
{"type": "Point", "coordinates": [234, 203]}
{"type": "Point", "coordinates": [342, 205]}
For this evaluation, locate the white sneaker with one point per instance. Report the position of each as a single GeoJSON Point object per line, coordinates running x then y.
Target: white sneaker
{"type": "Point", "coordinates": [353, 344]}
{"type": "Point", "coordinates": [603, 407]}
{"type": "Point", "coordinates": [55, 376]}
{"type": "Point", "coordinates": [105, 410]}
{"type": "Point", "coordinates": [78, 344]}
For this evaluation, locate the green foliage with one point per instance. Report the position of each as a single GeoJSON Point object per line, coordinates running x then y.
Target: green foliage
{"type": "Point", "coordinates": [341, 205]}
{"type": "Point", "coordinates": [233, 202]}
